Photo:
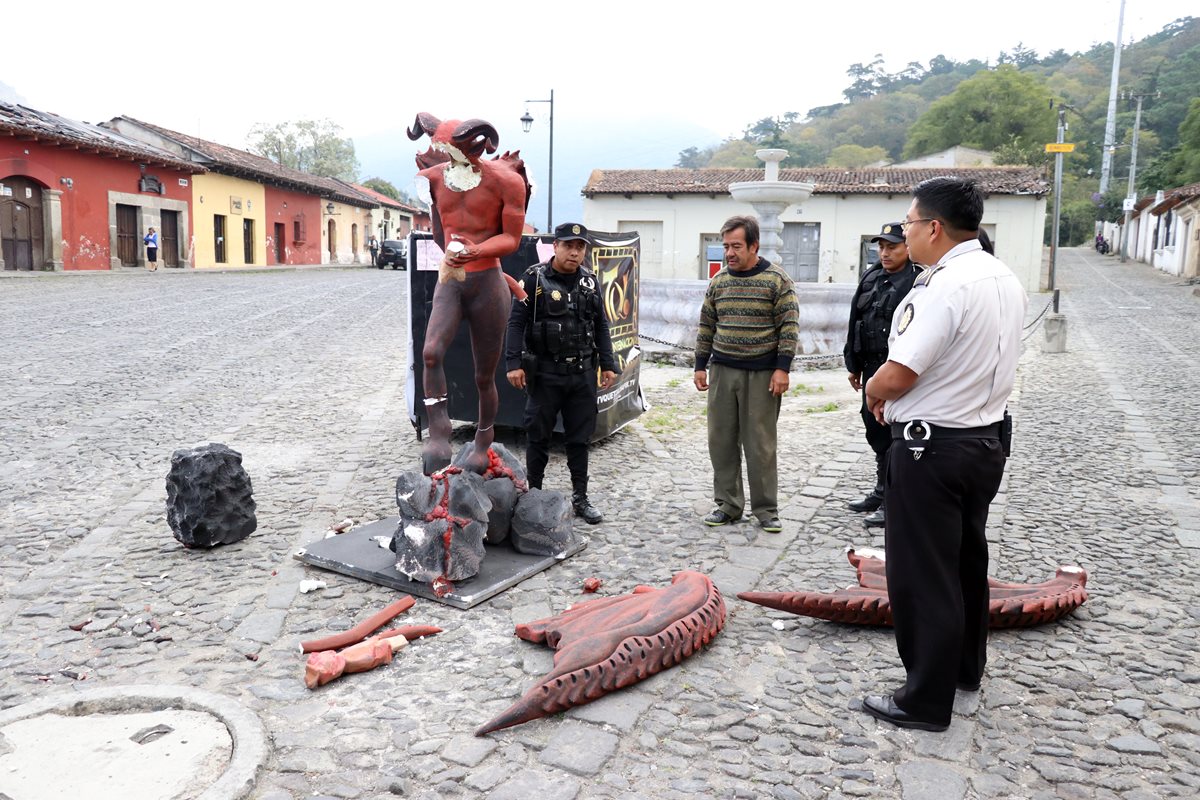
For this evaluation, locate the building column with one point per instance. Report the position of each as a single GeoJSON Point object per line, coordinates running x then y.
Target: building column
{"type": "Point", "coordinates": [53, 229]}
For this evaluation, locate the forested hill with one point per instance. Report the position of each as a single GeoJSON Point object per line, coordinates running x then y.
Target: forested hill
{"type": "Point", "coordinates": [1003, 104]}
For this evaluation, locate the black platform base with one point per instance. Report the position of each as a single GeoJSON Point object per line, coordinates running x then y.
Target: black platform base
{"type": "Point", "coordinates": [359, 555]}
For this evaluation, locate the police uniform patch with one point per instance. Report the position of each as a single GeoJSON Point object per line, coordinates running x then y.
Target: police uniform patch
{"type": "Point", "coordinates": [555, 295]}
{"type": "Point", "coordinates": [906, 317]}
{"type": "Point", "coordinates": [575, 229]}
{"type": "Point", "coordinates": [889, 229]}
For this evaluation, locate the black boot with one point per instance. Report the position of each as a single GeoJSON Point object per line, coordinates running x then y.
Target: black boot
{"type": "Point", "coordinates": [584, 508]}
{"type": "Point", "coordinates": [876, 520]}
{"type": "Point", "coordinates": [869, 503]}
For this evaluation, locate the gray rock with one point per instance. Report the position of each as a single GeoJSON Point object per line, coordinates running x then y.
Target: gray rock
{"type": "Point", "coordinates": [1134, 743]}
{"type": "Point", "coordinates": [504, 494]}
{"type": "Point", "coordinates": [928, 780]}
{"type": "Point", "coordinates": [209, 497]}
{"type": "Point", "coordinates": [417, 494]}
{"type": "Point", "coordinates": [420, 544]}
{"type": "Point", "coordinates": [541, 523]}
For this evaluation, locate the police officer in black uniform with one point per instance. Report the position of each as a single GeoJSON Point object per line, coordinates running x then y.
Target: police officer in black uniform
{"type": "Point", "coordinates": [880, 290]}
{"type": "Point", "coordinates": [557, 337]}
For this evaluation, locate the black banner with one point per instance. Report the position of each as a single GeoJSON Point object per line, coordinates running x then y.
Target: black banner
{"type": "Point", "coordinates": [613, 257]}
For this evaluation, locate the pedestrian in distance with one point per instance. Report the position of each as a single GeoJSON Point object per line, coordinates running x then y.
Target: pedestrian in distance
{"type": "Point", "coordinates": [151, 242]}
{"type": "Point", "coordinates": [744, 351]}
{"type": "Point", "coordinates": [952, 362]}
{"type": "Point", "coordinates": [557, 340]}
{"type": "Point", "coordinates": [373, 246]}
{"type": "Point", "coordinates": [879, 292]}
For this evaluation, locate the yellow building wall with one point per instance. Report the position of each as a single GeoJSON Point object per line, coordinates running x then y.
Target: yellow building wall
{"type": "Point", "coordinates": [343, 249]}
{"type": "Point", "coordinates": [237, 200]}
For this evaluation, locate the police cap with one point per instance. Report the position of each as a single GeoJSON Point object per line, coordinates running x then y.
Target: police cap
{"type": "Point", "coordinates": [570, 230]}
{"type": "Point", "coordinates": [891, 232]}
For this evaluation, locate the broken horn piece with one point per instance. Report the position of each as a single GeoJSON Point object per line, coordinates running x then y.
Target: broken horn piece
{"type": "Point", "coordinates": [608, 643]}
{"type": "Point", "coordinates": [359, 631]}
{"type": "Point", "coordinates": [326, 666]}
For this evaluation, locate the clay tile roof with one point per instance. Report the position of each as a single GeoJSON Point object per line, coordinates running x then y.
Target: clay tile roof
{"type": "Point", "coordinates": [231, 161]}
{"type": "Point", "coordinates": [878, 180]}
{"type": "Point", "coordinates": [41, 126]}
{"type": "Point", "coordinates": [1175, 197]}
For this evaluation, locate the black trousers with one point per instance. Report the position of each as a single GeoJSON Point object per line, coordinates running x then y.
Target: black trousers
{"type": "Point", "coordinates": [575, 397]}
{"type": "Point", "coordinates": [878, 436]}
{"type": "Point", "coordinates": [937, 566]}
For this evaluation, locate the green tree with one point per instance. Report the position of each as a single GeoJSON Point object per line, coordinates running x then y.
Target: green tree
{"type": "Point", "coordinates": [735, 153]}
{"type": "Point", "coordinates": [313, 146]}
{"type": "Point", "coordinates": [991, 109]}
{"type": "Point", "coordinates": [695, 158]}
{"type": "Point", "coordinates": [853, 156]}
{"type": "Point", "coordinates": [386, 188]}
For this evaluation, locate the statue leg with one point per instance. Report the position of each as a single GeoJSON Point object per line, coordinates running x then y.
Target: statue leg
{"type": "Point", "coordinates": [488, 306]}
{"type": "Point", "coordinates": [444, 318]}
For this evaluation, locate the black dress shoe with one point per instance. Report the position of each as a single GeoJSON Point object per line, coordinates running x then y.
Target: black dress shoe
{"type": "Point", "coordinates": [875, 520]}
{"type": "Point", "coordinates": [963, 686]}
{"type": "Point", "coordinates": [584, 508]}
{"type": "Point", "coordinates": [885, 709]}
{"type": "Point", "coordinates": [868, 503]}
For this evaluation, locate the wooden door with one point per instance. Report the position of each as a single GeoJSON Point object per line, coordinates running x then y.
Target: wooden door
{"type": "Point", "coordinates": [801, 255]}
{"type": "Point", "coordinates": [280, 234]}
{"type": "Point", "coordinates": [128, 241]}
{"type": "Point", "coordinates": [168, 239]}
{"type": "Point", "coordinates": [21, 224]}
{"type": "Point", "coordinates": [248, 241]}
{"type": "Point", "coordinates": [219, 238]}
{"type": "Point", "coordinates": [332, 242]}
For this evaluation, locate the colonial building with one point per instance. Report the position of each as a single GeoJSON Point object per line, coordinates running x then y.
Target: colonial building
{"type": "Point", "coordinates": [679, 212]}
{"type": "Point", "coordinates": [249, 210]}
{"type": "Point", "coordinates": [75, 196]}
{"type": "Point", "coordinates": [1165, 231]}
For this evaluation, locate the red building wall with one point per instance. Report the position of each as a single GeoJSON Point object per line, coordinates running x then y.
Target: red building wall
{"type": "Point", "coordinates": [84, 201]}
{"type": "Point", "coordinates": [288, 208]}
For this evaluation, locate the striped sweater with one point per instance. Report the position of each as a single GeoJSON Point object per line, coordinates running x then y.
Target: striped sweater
{"type": "Point", "coordinates": [749, 320]}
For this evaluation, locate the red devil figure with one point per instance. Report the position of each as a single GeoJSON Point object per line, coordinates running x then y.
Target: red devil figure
{"type": "Point", "coordinates": [478, 216]}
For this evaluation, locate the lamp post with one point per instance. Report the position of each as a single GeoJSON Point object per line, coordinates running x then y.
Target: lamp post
{"type": "Point", "coordinates": [1131, 192]}
{"type": "Point", "coordinates": [526, 124]}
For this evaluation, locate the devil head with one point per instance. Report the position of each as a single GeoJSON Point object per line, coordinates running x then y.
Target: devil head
{"type": "Point", "coordinates": [463, 142]}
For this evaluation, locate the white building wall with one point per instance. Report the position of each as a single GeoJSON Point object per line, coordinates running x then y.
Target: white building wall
{"type": "Point", "coordinates": [1019, 222]}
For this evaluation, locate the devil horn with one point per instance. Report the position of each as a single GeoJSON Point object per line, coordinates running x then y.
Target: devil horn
{"type": "Point", "coordinates": [472, 129]}
{"type": "Point", "coordinates": [424, 125]}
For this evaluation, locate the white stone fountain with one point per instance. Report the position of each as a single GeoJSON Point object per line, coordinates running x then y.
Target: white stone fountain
{"type": "Point", "coordinates": [769, 198]}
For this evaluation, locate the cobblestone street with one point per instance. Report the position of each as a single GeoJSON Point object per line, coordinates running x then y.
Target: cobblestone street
{"type": "Point", "coordinates": [303, 372]}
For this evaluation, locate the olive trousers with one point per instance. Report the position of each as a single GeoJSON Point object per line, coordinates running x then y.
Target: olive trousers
{"type": "Point", "coordinates": [742, 418]}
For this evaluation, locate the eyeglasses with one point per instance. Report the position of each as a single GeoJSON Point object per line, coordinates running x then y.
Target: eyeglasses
{"type": "Point", "coordinates": [904, 225]}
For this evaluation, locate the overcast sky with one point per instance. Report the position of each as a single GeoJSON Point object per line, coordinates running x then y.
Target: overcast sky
{"type": "Point", "coordinates": [623, 72]}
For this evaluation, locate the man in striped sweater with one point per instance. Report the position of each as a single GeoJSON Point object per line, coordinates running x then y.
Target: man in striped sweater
{"type": "Point", "coordinates": [744, 351]}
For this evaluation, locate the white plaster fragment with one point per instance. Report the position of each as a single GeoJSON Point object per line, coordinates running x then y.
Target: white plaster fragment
{"type": "Point", "coordinates": [311, 586]}
{"type": "Point", "coordinates": [415, 534]}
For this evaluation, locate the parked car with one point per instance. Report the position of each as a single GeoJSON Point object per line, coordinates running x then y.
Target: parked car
{"type": "Point", "coordinates": [394, 252]}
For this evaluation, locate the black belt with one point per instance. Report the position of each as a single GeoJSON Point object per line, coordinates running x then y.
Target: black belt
{"type": "Point", "coordinates": [569, 365]}
{"type": "Point", "coordinates": [920, 429]}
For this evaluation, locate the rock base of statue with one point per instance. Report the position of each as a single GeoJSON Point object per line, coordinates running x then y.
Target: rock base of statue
{"type": "Point", "coordinates": [209, 497]}
{"type": "Point", "coordinates": [446, 517]}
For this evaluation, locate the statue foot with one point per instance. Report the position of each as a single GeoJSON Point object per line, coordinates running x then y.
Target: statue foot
{"type": "Point", "coordinates": [477, 460]}
{"type": "Point", "coordinates": [435, 456]}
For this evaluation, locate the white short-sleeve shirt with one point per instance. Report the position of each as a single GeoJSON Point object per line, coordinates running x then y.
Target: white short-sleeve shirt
{"type": "Point", "coordinates": [959, 329]}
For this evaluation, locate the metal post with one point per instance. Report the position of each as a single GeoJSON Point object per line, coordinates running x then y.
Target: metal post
{"type": "Point", "coordinates": [550, 192]}
{"type": "Point", "coordinates": [1110, 122]}
{"type": "Point", "coordinates": [1058, 167]}
{"type": "Point", "coordinates": [1131, 194]}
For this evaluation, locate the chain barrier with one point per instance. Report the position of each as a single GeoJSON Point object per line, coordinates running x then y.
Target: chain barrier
{"type": "Point", "coordinates": [1032, 327]}
{"type": "Point", "coordinates": [812, 359]}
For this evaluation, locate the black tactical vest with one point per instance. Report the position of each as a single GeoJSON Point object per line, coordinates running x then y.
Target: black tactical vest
{"type": "Point", "coordinates": [876, 305]}
{"type": "Point", "coordinates": [563, 324]}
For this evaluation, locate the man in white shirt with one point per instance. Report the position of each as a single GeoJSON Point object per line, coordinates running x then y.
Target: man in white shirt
{"type": "Point", "coordinates": [952, 360]}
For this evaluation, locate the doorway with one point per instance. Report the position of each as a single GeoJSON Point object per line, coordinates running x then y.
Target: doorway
{"type": "Point", "coordinates": [801, 254]}
{"type": "Point", "coordinates": [248, 241]}
{"type": "Point", "coordinates": [128, 240]}
{"type": "Point", "coordinates": [332, 242]}
{"type": "Point", "coordinates": [21, 224]}
{"type": "Point", "coordinates": [280, 233]}
{"type": "Point", "coordinates": [169, 249]}
{"type": "Point", "coordinates": [219, 238]}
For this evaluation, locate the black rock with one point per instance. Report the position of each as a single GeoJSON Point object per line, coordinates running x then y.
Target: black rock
{"type": "Point", "coordinates": [417, 494]}
{"type": "Point", "coordinates": [209, 497]}
{"type": "Point", "coordinates": [420, 544]}
{"type": "Point", "coordinates": [503, 494]}
{"type": "Point", "coordinates": [541, 523]}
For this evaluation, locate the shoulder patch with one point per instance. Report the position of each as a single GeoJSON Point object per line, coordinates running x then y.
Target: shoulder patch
{"type": "Point", "coordinates": [906, 316]}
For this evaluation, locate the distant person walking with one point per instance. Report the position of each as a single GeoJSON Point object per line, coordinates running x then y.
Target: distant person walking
{"type": "Point", "coordinates": [373, 246]}
{"type": "Point", "coordinates": [744, 350]}
{"type": "Point", "coordinates": [151, 241]}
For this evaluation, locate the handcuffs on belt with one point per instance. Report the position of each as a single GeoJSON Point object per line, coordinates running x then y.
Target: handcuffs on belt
{"type": "Point", "coordinates": [917, 434]}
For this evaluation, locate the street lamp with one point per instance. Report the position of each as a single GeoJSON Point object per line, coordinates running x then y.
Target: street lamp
{"type": "Point", "coordinates": [526, 124]}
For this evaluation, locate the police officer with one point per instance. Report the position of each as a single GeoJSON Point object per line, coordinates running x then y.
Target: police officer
{"type": "Point", "coordinates": [557, 337]}
{"type": "Point", "coordinates": [952, 362]}
{"type": "Point", "coordinates": [880, 290]}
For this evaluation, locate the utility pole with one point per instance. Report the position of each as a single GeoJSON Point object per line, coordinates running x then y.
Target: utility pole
{"type": "Point", "coordinates": [1058, 169]}
{"type": "Point", "coordinates": [1110, 123]}
{"type": "Point", "coordinates": [1131, 194]}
